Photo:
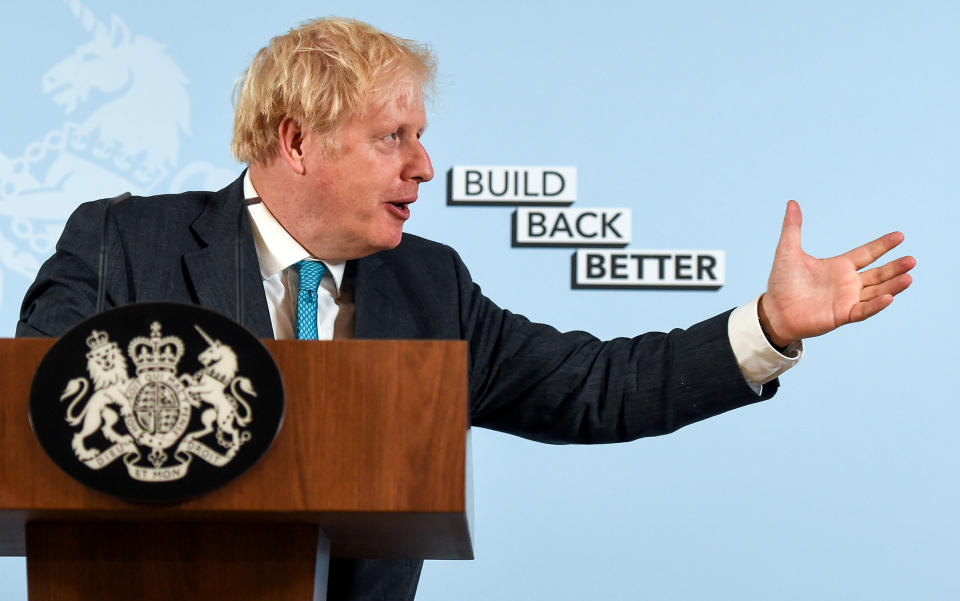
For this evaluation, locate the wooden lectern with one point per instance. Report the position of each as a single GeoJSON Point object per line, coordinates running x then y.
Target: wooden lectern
{"type": "Point", "coordinates": [371, 461]}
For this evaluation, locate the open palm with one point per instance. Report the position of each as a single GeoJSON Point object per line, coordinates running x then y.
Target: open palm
{"type": "Point", "coordinates": [807, 296]}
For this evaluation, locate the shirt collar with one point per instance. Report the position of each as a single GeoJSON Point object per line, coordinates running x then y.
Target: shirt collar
{"type": "Point", "coordinates": [276, 248]}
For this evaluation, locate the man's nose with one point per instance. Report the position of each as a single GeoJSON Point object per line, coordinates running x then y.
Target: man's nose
{"type": "Point", "coordinates": [419, 168]}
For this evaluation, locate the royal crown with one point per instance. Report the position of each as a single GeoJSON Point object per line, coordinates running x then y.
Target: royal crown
{"type": "Point", "coordinates": [155, 353]}
{"type": "Point", "coordinates": [96, 339]}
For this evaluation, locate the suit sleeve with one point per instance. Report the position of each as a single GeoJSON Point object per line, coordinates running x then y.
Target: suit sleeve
{"type": "Point", "coordinates": [531, 380]}
{"type": "Point", "coordinates": [65, 290]}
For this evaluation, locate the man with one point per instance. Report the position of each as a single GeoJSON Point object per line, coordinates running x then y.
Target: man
{"type": "Point", "coordinates": [329, 119]}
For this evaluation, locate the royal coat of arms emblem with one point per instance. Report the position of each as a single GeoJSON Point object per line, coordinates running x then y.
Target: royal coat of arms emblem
{"type": "Point", "coordinates": [159, 419]}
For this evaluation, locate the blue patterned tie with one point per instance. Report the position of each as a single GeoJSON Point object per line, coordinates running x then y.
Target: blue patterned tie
{"type": "Point", "coordinates": [311, 272]}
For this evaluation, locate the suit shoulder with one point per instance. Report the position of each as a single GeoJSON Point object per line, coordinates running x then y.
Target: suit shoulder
{"type": "Point", "coordinates": [135, 211]}
{"type": "Point", "coordinates": [419, 256]}
{"type": "Point", "coordinates": [413, 244]}
{"type": "Point", "coordinates": [126, 205]}
{"type": "Point", "coordinates": [166, 205]}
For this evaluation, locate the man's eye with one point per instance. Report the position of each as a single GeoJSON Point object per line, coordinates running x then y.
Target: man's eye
{"type": "Point", "coordinates": [392, 137]}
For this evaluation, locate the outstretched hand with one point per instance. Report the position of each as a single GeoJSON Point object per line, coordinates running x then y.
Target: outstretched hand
{"type": "Point", "coordinates": [807, 296]}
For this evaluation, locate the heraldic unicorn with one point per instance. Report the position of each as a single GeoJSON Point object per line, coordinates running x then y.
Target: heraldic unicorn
{"type": "Point", "coordinates": [126, 109]}
{"type": "Point", "coordinates": [151, 413]}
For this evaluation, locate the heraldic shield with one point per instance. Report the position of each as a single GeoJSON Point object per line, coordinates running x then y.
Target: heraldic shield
{"type": "Point", "coordinates": [156, 402]}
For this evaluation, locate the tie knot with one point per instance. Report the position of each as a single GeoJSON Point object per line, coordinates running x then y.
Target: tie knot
{"type": "Point", "coordinates": [310, 272]}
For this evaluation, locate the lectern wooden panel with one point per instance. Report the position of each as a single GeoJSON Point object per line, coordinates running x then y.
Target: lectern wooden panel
{"type": "Point", "coordinates": [372, 452]}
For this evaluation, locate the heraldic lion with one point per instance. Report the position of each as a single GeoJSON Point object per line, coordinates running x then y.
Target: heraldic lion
{"type": "Point", "coordinates": [108, 371]}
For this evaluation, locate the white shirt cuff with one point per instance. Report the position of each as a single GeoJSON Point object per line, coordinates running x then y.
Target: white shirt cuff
{"type": "Point", "coordinates": [758, 360]}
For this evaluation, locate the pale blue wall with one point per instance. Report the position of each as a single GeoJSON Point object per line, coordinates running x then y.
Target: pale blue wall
{"type": "Point", "coordinates": [704, 118]}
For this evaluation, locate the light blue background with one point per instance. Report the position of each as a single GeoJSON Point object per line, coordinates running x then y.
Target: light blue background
{"type": "Point", "coordinates": [704, 118]}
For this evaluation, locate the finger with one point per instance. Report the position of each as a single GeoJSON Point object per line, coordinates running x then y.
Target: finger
{"type": "Point", "coordinates": [891, 287]}
{"type": "Point", "coordinates": [871, 251]}
{"type": "Point", "coordinates": [790, 231]}
{"type": "Point", "coordinates": [881, 274]}
{"type": "Point", "coordinates": [861, 311]}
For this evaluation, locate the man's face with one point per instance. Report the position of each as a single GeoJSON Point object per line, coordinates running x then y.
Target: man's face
{"type": "Point", "coordinates": [355, 203]}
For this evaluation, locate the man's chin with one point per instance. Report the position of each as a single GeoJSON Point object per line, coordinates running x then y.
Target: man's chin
{"type": "Point", "coordinates": [387, 242]}
{"type": "Point", "coordinates": [393, 241]}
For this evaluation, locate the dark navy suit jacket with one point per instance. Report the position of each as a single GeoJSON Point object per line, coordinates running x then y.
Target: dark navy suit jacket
{"type": "Point", "coordinates": [525, 378]}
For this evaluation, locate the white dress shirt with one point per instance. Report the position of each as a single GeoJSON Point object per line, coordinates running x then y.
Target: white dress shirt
{"type": "Point", "coordinates": [279, 253]}
{"type": "Point", "coordinates": [757, 358]}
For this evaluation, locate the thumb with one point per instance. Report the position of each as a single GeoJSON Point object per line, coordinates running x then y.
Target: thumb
{"type": "Point", "coordinates": [790, 231]}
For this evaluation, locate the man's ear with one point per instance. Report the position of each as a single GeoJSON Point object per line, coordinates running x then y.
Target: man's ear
{"type": "Point", "coordinates": [291, 144]}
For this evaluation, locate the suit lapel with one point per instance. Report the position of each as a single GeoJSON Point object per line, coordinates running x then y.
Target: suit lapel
{"type": "Point", "coordinates": [376, 293]}
{"type": "Point", "coordinates": [386, 304]}
{"type": "Point", "coordinates": [212, 269]}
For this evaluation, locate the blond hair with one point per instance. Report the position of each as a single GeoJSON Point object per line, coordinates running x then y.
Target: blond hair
{"type": "Point", "coordinates": [321, 74]}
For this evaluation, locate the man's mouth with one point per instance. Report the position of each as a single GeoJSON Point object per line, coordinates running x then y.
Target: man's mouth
{"type": "Point", "coordinates": [400, 210]}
